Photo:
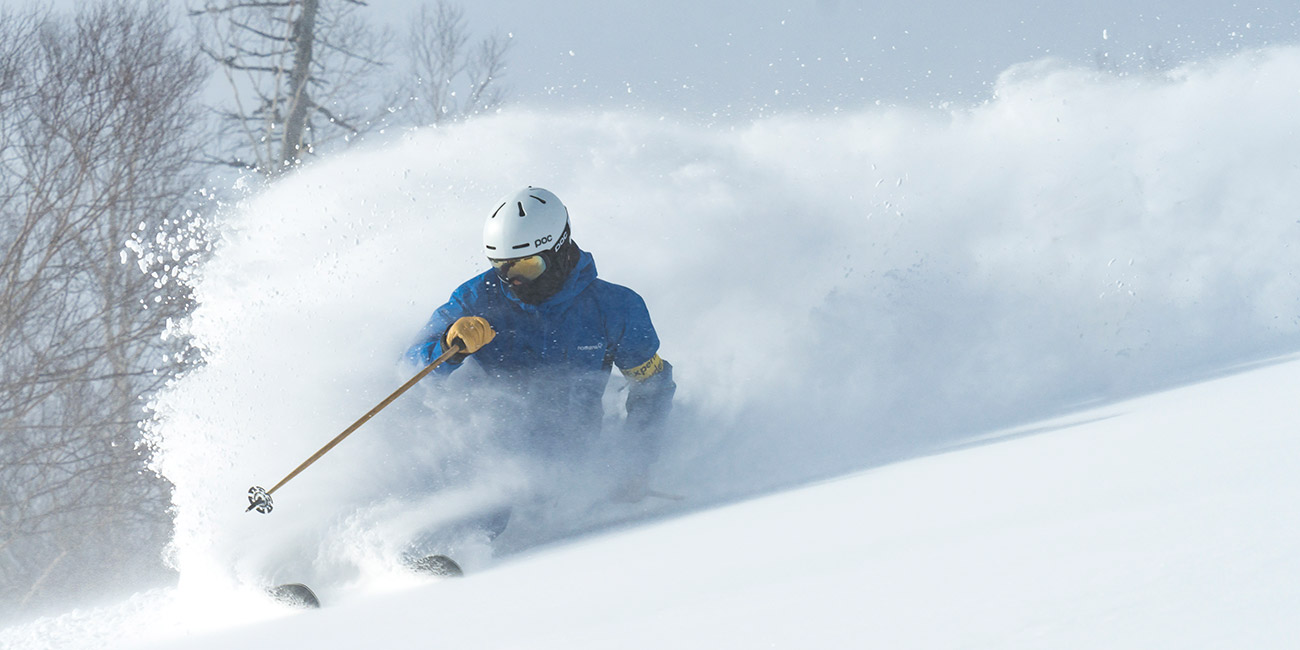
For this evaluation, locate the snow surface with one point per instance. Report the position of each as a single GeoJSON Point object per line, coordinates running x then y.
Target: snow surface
{"type": "Point", "coordinates": [1167, 521]}
{"type": "Point", "coordinates": [1164, 521]}
{"type": "Point", "coordinates": [928, 302]}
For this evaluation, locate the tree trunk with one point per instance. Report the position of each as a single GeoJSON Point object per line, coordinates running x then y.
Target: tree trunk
{"type": "Point", "coordinates": [295, 126]}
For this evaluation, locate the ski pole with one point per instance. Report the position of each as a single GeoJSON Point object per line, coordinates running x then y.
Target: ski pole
{"type": "Point", "coordinates": [259, 498]}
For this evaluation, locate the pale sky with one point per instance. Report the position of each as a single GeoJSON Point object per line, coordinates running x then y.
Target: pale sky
{"type": "Point", "coordinates": [747, 59]}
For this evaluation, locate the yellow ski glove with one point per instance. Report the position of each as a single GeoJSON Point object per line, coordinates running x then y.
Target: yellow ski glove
{"type": "Point", "coordinates": [473, 332]}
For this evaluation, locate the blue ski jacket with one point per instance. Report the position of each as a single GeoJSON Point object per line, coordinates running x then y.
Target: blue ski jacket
{"type": "Point", "coordinates": [551, 362]}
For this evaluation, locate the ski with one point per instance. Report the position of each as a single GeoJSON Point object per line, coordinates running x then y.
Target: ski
{"type": "Point", "coordinates": [295, 594]}
{"type": "Point", "coordinates": [437, 565]}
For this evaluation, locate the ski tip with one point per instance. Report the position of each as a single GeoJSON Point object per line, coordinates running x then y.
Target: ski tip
{"type": "Point", "coordinates": [437, 565]}
{"type": "Point", "coordinates": [295, 594]}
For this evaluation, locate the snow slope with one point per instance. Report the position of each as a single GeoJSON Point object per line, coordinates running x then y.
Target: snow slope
{"type": "Point", "coordinates": [1167, 521]}
{"type": "Point", "coordinates": [1163, 521]}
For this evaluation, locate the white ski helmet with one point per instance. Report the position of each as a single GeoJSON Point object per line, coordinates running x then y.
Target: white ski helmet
{"type": "Point", "coordinates": [526, 222]}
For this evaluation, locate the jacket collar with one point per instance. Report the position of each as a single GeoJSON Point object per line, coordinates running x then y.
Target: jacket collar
{"type": "Point", "coordinates": [582, 275]}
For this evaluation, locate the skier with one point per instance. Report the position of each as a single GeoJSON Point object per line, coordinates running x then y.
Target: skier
{"type": "Point", "coordinates": [546, 333]}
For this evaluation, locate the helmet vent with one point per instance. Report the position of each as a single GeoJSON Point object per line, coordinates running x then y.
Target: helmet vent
{"type": "Point", "coordinates": [539, 199]}
{"type": "Point", "coordinates": [519, 246]}
{"type": "Point", "coordinates": [521, 208]}
{"type": "Point", "coordinates": [494, 214]}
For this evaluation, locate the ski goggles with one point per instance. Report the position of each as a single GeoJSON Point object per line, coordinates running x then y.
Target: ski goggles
{"type": "Point", "coordinates": [525, 269]}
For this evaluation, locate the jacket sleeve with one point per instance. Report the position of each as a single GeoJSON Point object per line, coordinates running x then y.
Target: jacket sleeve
{"type": "Point", "coordinates": [651, 387]}
{"type": "Point", "coordinates": [429, 344]}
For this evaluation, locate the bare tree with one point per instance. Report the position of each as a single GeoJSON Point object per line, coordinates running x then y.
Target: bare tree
{"type": "Point", "coordinates": [97, 144]}
{"type": "Point", "coordinates": [301, 73]}
{"type": "Point", "coordinates": [448, 78]}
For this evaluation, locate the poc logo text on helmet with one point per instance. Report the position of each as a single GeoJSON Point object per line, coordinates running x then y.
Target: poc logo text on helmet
{"type": "Point", "coordinates": [526, 222]}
